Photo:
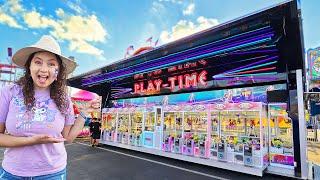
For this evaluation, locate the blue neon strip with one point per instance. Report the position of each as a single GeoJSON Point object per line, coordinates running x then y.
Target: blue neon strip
{"type": "Point", "coordinates": [246, 78]}
{"type": "Point", "coordinates": [148, 64]}
{"type": "Point", "coordinates": [131, 70]}
{"type": "Point", "coordinates": [246, 75]}
{"type": "Point", "coordinates": [252, 64]}
{"type": "Point", "coordinates": [266, 29]}
{"type": "Point", "coordinates": [177, 62]}
{"type": "Point", "coordinates": [254, 52]}
{"type": "Point", "coordinates": [253, 67]}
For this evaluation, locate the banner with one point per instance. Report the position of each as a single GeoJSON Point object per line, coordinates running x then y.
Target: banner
{"type": "Point", "coordinates": [315, 108]}
{"type": "Point", "coordinates": [314, 63]}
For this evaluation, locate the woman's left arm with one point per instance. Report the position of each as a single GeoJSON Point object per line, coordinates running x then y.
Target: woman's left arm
{"type": "Point", "coordinates": [70, 132]}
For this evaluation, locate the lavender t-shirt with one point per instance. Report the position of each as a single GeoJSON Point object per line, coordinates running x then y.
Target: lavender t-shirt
{"type": "Point", "coordinates": [44, 118]}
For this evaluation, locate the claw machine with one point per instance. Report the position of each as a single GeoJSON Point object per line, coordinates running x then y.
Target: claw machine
{"type": "Point", "coordinates": [148, 137]}
{"type": "Point", "coordinates": [214, 130]}
{"type": "Point", "coordinates": [136, 123]}
{"type": "Point", "coordinates": [172, 129]}
{"type": "Point", "coordinates": [195, 124]}
{"type": "Point", "coordinates": [232, 130]}
{"type": "Point", "coordinates": [242, 134]}
{"type": "Point", "coordinates": [123, 125]}
{"type": "Point", "coordinates": [109, 117]}
{"type": "Point", "coordinates": [280, 141]}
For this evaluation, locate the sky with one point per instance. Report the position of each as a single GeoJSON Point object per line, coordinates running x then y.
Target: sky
{"type": "Point", "coordinates": [99, 32]}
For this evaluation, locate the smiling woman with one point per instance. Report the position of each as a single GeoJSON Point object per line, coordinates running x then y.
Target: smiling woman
{"type": "Point", "coordinates": [37, 114]}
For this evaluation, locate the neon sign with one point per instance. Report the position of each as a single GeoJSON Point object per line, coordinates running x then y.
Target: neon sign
{"type": "Point", "coordinates": [183, 81]}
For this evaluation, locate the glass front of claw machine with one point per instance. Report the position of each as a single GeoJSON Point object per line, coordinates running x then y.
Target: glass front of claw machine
{"type": "Point", "coordinates": [214, 133]}
{"type": "Point", "coordinates": [281, 141]}
{"type": "Point", "coordinates": [149, 127]}
{"type": "Point", "coordinates": [172, 129]}
{"type": "Point", "coordinates": [242, 134]}
{"type": "Point", "coordinates": [135, 136]}
{"type": "Point", "coordinates": [109, 117]}
{"type": "Point", "coordinates": [195, 134]}
{"type": "Point", "coordinates": [123, 125]}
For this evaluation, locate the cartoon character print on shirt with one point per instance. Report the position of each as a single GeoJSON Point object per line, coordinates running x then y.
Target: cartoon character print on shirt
{"type": "Point", "coordinates": [39, 114]}
{"type": "Point", "coordinates": [22, 116]}
{"type": "Point", "coordinates": [42, 113]}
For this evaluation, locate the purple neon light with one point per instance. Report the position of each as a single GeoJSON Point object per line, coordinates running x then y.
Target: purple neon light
{"type": "Point", "coordinates": [172, 60]}
{"type": "Point", "coordinates": [265, 29]}
{"type": "Point", "coordinates": [254, 52]}
{"type": "Point", "coordinates": [148, 64]}
{"type": "Point", "coordinates": [125, 72]}
{"type": "Point", "coordinates": [252, 64]}
{"type": "Point", "coordinates": [206, 51]}
{"type": "Point", "coordinates": [262, 30]}
{"type": "Point", "coordinates": [246, 78]}
{"type": "Point", "coordinates": [199, 53]}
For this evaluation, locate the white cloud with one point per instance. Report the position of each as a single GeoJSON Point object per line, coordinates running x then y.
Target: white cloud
{"type": "Point", "coordinates": [76, 7]}
{"type": "Point", "coordinates": [8, 20]}
{"type": "Point", "coordinates": [157, 8]}
{"type": "Point", "coordinates": [78, 28]}
{"type": "Point", "coordinates": [79, 31]}
{"type": "Point", "coordinates": [189, 10]}
{"type": "Point", "coordinates": [86, 48]}
{"type": "Point", "coordinates": [60, 13]}
{"type": "Point", "coordinates": [15, 6]}
{"type": "Point", "coordinates": [172, 1]}
{"type": "Point", "coordinates": [185, 28]}
{"type": "Point", "coordinates": [34, 20]}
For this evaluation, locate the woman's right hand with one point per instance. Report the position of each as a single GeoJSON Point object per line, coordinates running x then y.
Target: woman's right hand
{"type": "Point", "coordinates": [44, 139]}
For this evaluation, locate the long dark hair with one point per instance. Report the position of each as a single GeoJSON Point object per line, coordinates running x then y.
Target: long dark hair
{"type": "Point", "coordinates": [57, 88]}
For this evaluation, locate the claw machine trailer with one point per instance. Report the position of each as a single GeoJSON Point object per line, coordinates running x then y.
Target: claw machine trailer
{"type": "Point", "coordinates": [229, 97]}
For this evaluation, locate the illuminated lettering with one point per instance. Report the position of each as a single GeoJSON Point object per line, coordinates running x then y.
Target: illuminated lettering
{"type": "Point", "coordinates": [172, 82]}
{"type": "Point", "coordinates": [171, 69]}
{"type": "Point", "coordinates": [158, 83]}
{"type": "Point", "coordinates": [142, 88]}
{"type": "Point", "coordinates": [136, 88]}
{"type": "Point", "coordinates": [150, 87]}
{"type": "Point", "coordinates": [190, 79]}
{"type": "Point", "coordinates": [202, 78]}
{"type": "Point", "coordinates": [180, 81]}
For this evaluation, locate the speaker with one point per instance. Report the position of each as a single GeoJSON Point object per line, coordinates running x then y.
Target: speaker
{"type": "Point", "coordinates": [277, 96]}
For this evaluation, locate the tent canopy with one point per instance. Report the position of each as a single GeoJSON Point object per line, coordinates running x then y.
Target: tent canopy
{"type": "Point", "coordinates": [83, 95]}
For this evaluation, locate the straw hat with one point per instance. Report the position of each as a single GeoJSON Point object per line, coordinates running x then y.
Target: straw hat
{"type": "Point", "coordinates": [46, 43]}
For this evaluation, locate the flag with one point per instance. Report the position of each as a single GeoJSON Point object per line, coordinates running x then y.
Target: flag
{"type": "Point", "coordinates": [9, 52]}
{"type": "Point", "coordinates": [155, 44]}
{"type": "Point", "coordinates": [149, 39]}
{"type": "Point", "coordinates": [127, 51]}
{"type": "Point", "coordinates": [129, 48]}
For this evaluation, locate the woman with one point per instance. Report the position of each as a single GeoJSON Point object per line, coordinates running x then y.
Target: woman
{"type": "Point", "coordinates": [36, 115]}
{"type": "Point", "coordinates": [95, 131]}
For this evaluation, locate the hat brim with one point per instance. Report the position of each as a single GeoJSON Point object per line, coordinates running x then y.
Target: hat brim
{"type": "Point", "coordinates": [21, 56]}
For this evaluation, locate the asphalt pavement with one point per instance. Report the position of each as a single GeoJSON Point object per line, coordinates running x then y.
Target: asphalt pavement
{"type": "Point", "coordinates": [107, 162]}
{"type": "Point", "coordinates": [111, 163]}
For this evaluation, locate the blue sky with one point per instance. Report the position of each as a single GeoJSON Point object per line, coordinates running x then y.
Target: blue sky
{"type": "Point", "coordinates": [98, 33]}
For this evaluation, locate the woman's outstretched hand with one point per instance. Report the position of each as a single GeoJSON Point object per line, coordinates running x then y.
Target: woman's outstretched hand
{"type": "Point", "coordinates": [44, 139]}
